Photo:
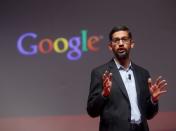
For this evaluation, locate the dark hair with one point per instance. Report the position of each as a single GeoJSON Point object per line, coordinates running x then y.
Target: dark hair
{"type": "Point", "coordinates": [119, 28]}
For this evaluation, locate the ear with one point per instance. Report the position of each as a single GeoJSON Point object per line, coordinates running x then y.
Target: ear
{"type": "Point", "coordinates": [110, 46]}
{"type": "Point", "coordinates": [132, 44]}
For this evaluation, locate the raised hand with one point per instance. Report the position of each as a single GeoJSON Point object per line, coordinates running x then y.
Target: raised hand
{"type": "Point", "coordinates": [107, 83]}
{"type": "Point", "coordinates": [158, 88]}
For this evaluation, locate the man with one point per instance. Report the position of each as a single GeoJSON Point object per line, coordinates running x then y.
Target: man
{"type": "Point", "coordinates": [121, 92]}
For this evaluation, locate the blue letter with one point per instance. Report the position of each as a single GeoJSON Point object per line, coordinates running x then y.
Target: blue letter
{"type": "Point", "coordinates": [74, 44]}
{"type": "Point", "coordinates": [20, 44]}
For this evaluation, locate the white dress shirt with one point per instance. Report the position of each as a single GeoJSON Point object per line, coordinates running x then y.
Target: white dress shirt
{"type": "Point", "coordinates": [129, 82]}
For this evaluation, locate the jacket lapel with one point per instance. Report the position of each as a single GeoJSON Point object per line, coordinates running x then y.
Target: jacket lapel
{"type": "Point", "coordinates": [116, 75]}
{"type": "Point", "coordinates": [137, 77]}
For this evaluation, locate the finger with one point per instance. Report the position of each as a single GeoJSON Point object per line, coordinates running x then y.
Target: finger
{"type": "Point", "coordinates": [160, 93]}
{"type": "Point", "coordinates": [110, 84]}
{"type": "Point", "coordinates": [108, 73]}
{"type": "Point", "coordinates": [161, 82]}
{"type": "Point", "coordinates": [149, 82]}
{"type": "Point", "coordinates": [158, 80]}
{"type": "Point", "coordinates": [103, 77]}
{"type": "Point", "coordinates": [105, 81]}
{"type": "Point", "coordinates": [108, 90]}
{"type": "Point", "coordinates": [164, 85]}
{"type": "Point", "coordinates": [151, 87]}
{"type": "Point", "coordinates": [110, 76]}
{"type": "Point", "coordinates": [164, 91]}
{"type": "Point", "coordinates": [105, 74]}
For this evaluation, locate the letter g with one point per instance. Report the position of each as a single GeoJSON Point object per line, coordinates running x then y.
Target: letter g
{"type": "Point", "coordinates": [20, 45]}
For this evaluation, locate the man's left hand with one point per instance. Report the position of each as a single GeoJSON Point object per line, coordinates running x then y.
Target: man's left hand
{"type": "Point", "coordinates": [158, 88]}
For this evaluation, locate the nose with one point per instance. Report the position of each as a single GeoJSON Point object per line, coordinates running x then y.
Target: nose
{"type": "Point", "coordinates": [121, 42]}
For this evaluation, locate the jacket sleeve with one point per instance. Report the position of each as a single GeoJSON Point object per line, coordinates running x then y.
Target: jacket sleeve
{"type": "Point", "coordinates": [96, 101]}
{"type": "Point", "coordinates": [151, 108]}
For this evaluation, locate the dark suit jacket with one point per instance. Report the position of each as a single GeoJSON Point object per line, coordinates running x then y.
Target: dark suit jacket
{"type": "Point", "coordinates": [115, 110]}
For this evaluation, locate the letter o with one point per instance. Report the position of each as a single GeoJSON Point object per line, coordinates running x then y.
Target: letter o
{"type": "Point", "coordinates": [59, 41]}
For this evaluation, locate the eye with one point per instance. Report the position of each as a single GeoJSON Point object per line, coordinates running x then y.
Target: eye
{"type": "Point", "coordinates": [125, 38]}
{"type": "Point", "coordinates": [116, 40]}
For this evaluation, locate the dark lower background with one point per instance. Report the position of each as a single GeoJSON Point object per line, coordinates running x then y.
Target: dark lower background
{"type": "Point", "coordinates": [164, 121]}
{"type": "Point", "coordinates": [49, 92]}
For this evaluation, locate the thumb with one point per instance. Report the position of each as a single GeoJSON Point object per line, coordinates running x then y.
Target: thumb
{"type": "Point", "coordinates": [149, 82]}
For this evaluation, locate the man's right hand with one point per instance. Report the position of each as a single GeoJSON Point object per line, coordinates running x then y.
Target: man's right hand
{"type": "Point", "coordinates": [107, 83]}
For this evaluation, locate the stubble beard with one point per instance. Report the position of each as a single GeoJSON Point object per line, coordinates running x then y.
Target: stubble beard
{"type": "Point", "coordinates": [122, 55]}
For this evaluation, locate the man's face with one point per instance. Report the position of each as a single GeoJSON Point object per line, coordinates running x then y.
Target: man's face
{"type": "Point", "coordinates": [121, 44]}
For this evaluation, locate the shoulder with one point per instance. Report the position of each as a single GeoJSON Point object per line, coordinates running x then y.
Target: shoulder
{"type": "Point", "coordinates": [102, 68]}
{"type": "Point", "coordinates": [140, 69]}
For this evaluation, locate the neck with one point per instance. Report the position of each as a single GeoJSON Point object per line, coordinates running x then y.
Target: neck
{"type": "Point", "coordinates": [124, 62]}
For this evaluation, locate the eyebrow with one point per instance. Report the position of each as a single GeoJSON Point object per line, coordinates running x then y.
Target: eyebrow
{"type": "Point", "coordinates": [121, 37]}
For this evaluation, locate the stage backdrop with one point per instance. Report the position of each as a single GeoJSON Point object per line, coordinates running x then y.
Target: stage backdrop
{"type": "Point", "coordinates": [49, 47]}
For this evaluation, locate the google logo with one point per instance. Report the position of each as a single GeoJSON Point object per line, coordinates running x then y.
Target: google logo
{"type": "Point", "coordinates": [73, 47]}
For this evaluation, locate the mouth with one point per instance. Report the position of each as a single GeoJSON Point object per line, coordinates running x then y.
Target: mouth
{"type": "Point", "coordinates": [121, 51]}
